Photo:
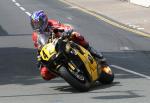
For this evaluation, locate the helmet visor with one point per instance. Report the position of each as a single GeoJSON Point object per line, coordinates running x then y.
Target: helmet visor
{"type": "Point", "coordinates": [36, 25]}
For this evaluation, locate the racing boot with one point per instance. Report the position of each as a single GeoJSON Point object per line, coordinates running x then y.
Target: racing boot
{"type": "Point", "coordinates": [99, 56]}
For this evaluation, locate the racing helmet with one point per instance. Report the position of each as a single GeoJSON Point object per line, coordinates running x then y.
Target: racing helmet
{"type": "Point", "coordinates": [39, 20]}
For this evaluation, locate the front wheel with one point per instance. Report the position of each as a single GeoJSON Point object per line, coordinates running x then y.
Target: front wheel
{"type": "Point", "coordinates": [106, 76]}
{"type": "Point", "coordinates": [81, 85]}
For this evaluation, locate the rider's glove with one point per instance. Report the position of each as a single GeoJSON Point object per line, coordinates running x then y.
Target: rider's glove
{"type": "Point", "coordinates": [68, 32]}
{"type": "Point", "coordinates": [64, 35]}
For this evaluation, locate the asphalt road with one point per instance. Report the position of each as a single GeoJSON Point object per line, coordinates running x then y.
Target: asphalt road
{"type": "Point", "coordinates": [20, 82]}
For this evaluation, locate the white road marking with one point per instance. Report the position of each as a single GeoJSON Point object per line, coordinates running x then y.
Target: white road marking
{"type": "Point", "coordinates": [131, 25]}
{"type": "Point", "coordinates": [124, 48]}
{"type": "Point", "coordinates": [29, 14]}
{"type": "Point", "coordinates": [135, 26]}
{"type": "Point", "coordinates": [130, 71]}
{"type": "Point", "coordinates": [140, 28]}
{"type": "Point", "coordinates": [23, 9]}
{"type": "Point", "coordinates": [13, 0]}
{"type": "Point", "coordinates": [73, 7]}
{"type": "Point", "coordinates": [17, 4]}
{"type": "Point", "coordinates": [69, 18]}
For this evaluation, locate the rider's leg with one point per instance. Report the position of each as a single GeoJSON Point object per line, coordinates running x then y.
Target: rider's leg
{"type": "Point", "coordinates": [44, 71]}
{"type": "Point", "coordinates": [79, 39]}
{"type": "Point", "coordinates": [98, 55]}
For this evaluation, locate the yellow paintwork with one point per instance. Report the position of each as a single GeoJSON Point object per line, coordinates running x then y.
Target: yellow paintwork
{"type": "Point", "coordinates": [48, 51]}
{"type": "Point", "coordinates": [71, 66]}
{"type": "Point", "coordinates": [91, 67]}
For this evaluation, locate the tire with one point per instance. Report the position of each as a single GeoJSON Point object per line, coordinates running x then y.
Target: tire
{"type": "Point", "coordinates": [74, 82]}
{"type": "Point", "coordinates": [106, 78]}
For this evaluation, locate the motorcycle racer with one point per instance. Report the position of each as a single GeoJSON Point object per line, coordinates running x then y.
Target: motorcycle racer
{"type": "Point", "coordinates": [44, 26]}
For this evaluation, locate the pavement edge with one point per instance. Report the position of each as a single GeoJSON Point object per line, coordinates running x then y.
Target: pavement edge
{"type": "Point", "coordinates": [107, 19]}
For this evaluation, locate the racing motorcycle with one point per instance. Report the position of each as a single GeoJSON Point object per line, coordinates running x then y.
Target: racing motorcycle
{"type": "Point", "coordinates": [74, 64]}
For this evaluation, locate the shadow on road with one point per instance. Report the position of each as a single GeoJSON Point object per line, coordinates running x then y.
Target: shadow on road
{"type": "Point", "coordinates": [118, 94]}
{"type": "Point", "coordinates": [65, 88]}
{"type": "Point", "coordinates": [17, 66]}
{"type": "Point", "coordinates": [97, 86]}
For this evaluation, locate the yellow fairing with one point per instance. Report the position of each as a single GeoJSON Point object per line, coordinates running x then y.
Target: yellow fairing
{"type": "Point", "coordinates": [48, 51]}
{"type": "Point", "coordinates": [90, 63]}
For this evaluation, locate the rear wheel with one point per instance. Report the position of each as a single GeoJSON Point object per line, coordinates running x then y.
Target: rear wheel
{"type": "Point", "coordinates": [106, 76]}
